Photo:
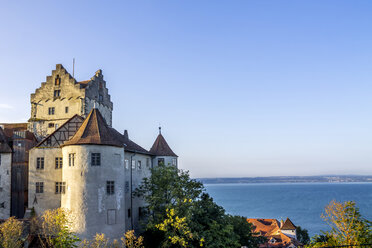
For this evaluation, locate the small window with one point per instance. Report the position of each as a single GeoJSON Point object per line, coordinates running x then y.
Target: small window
{"type": "Point", "coordinates": [148, 163]}
{"type": "Point", "coordinates": [139, 165]}
{"type": "Point", "coordinates": [126, 186]}
{"type": "Point", "coordinates": [57, 80]}
{"type": "Point", "coordinates": [57, 93]}
{"type": "Point", "coordinates": [96, 159]}
{"type": "Point", "coordinates": [40, 163]}
{"type": "Point", "coordinates": [126, 164]}
{"type": "Point", "coordinates": [110, 187]}
{"type": "Point", "coordinates": [50, 125]}
{"type": "Point", "coordinates": [58, 163]}
{"type": "Point", "coordinates": [51, 111]}
{"type": "Point", "coordinates": [60, 187]}
{"type": "Point", "coordinates": [174, 162]}
{"type": "Point", "coordinates": [71, 159]}
{"type": "Point", "coordinates": [129, 213]}
{"type": "Point", "coordinates": [39, 187]}
{"type": "Point", "coordinates": [66, 110]}
{"type": "Point", "coordinates": [133, 164]}
{"type": "Point", "coordinates": [100, 99]}
{"type": "Point", "coordinates": [161, 161]}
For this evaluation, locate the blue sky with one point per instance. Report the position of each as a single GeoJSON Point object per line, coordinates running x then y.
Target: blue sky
{"type": "Point", "coordinates": [241, 88]}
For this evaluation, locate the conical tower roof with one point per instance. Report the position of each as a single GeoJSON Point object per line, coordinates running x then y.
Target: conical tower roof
{"type": "Point", "coordinates": [4, 147]}
{"type": "Point", "coordinates": [94, 131]}
{"type": "Point", "coordinates": [288, 225]}
{"type": "Point", "coordinates": [161, 147]}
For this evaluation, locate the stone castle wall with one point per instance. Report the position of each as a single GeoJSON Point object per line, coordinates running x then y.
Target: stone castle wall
{"type": "Point", "coordinates": [5, 175]}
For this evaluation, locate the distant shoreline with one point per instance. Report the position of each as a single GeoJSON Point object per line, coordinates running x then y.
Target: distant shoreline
{"type": "Point", "coordinates": [289, 179]}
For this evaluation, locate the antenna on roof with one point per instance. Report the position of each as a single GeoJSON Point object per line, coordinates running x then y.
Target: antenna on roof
{"type": "Point", "coordinates": [159, 129]}
{"type": "Point", "coordinates": [73, 67]}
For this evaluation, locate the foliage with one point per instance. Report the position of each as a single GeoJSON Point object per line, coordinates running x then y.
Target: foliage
{"type": "Point", "coordinates": [99, 241]}
{"type": "Point", "coordinates": [173, 189]}
{"type": "Point", "coordinates": [131, 241]}
{"type": "Point", "coordinates": [302, 235]}
{"type": "Point", "coordinates": [176, 229]}
{"type": "Point", "coordinates": [10, 233]}
{"type": "Point", "coordinates": [55, 229]}
{"type": "Point", "coordinates": [347, 226]}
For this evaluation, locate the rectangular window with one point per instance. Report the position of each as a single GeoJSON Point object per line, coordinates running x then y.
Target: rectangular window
{"type": "Point", "coordinates": [133, 164]}
{"type": "Point", "coordinates": [126, 186]}
{"type": "Point", "coordinates": [71, 159]}
{"type": "Point", "coordinates": [126, 164]}
{"type": "Point", "coordinates": [174, 162]}
{"type": "Point", "coordinates": [50, 125]}
{"type": "Point", "coordinates": [110, 187]}
{"type": "Point", "coordinates": [148, 163]}
{"type": "Point", "coordinates": [39, 187]}
{"type": "Point", "coordinates": [60, 187]}
{"type": "Point", "coordinates": [96, 159]}
{"type": "Point", "coordinates": [140, 213]}
{"type": "Point", "coordinates": [111, 216]}
{"type": "Point", "coordinates": [161, 161]}
{"type": "Point", "coordinates": [51, 111]}
{"type": "Point", "coordinates": [139, 165]}
{"type": "Point", "coordinates": [57, 93]}
{"type": "Point", "coordinates": [100, 99]}
{"type": "Point", "coordinates": [66, 110]}
{"type": "Point", "coordinates": [40, 163]}
{"type": "Point", "coordinates": [58, 163]}
{"type": "Point", "coordinates": [129, 213]}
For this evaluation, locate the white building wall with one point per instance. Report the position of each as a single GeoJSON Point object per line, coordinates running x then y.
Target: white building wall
{"type": "Point", "coordinates": [49, 176]}
{"type": "Point", "coordinates": [137, 176]}
{"type": "Point", "coordinates": [5, 189]}
{"type": "Point", "coordinates": [86, 194]}
{"type": "Point", "coordinates": [168, 160]}
{"type": "Point", "coordinates": [290, 233]}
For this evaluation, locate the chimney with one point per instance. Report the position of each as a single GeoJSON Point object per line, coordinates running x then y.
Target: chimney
{"type": "Point", "coordinates": [126, 136]}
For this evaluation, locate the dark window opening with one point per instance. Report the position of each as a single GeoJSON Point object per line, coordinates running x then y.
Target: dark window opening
{"type": "Point", "coordinates": [51, 111]}
{"type": "Point", "coordinates": [71, 159]}
{"type": "Point", "coordinates": [110, 187]}
{"type": "Point", "coordinates": [129, 213]}
{"type": "Point", "coordinates": [40, 187]}
{"type": "Point", "coordinates": [57, 93]}
{"type": "Point", "coordinates": [66, 110]}
{"type": "Point", "coordinates": [51, 125]}
{"type": "Point", "coordinates": [60, 187]}
{"type": "Point", "coordinates": [58, 163]}
{"type": "Point", "coordinates": [57, 81]}
{"type": "Point", "coordinates": [40, 163]}
{"type": "Point", "coordinates": [161, 161]}
{"type": "Point", "coordinates": [96, 159]}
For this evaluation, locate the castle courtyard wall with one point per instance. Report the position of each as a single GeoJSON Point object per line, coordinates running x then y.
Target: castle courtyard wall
{"type": "Point", "coordinates": [5, 189]}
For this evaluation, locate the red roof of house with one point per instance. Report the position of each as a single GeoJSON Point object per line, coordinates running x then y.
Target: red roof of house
{"type": "Point", "coordinates": [161, 147]}
{"type": "Point", "coordinates": [94, 131]}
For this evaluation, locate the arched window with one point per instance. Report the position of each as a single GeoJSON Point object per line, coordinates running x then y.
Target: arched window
{"type": "Point", "coordinates": [57, 81]}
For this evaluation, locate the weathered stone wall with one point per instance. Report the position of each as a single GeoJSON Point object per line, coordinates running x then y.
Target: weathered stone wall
{"type": "Point", "coordinates": [86, 194]}
{"type": "Point", "coordinates": [5, 174]}
{"type": "Point", "coordinates": [49, 176]}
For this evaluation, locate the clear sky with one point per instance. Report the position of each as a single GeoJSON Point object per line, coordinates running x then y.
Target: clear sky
{"type": "Point", "coordinates": [241, 88]}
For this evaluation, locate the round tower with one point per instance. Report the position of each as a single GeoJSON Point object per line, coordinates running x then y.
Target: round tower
{"type": "Point", "coordinates": [92, 178]}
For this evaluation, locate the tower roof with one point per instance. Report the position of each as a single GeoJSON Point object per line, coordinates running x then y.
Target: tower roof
{"type": "Point", "coordinates": [94, 131]}
{"type": "Point", "coordinates": [161, 147]}
{"type": "Point", "coordinates": [4, 147]}
{"type": "Point", "coordinates": [288, 225]}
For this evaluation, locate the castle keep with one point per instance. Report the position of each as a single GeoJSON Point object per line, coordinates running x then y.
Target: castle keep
{"type": "Point", "coordinates": [76, 160]}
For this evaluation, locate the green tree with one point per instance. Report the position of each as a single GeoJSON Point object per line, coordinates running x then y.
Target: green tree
{"type": "Point", "coordinates": [170, 188]}
{"type": "Point", "coordinates": [302, 235]}
{"type": "Point", "coordinates": [347, 226]}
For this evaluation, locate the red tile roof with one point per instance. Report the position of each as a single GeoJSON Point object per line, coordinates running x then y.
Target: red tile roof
{"type": "Point", "coordinates": [288, 225]}
{"type": "Point", "coordinates": [94, 131]}
{"type": "Point", "coordinates": [161, 147]}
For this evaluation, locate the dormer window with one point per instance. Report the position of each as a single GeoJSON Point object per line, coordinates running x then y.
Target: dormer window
{"type": "Point", "coordinates": [57, 81]}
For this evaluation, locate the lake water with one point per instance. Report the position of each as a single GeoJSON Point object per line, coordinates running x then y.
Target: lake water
{"type": "Point", "coordinates": [303, 203]}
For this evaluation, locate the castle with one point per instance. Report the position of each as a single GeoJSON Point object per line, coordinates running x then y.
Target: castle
{"type": "Point", "coordinates": [71, 157]}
